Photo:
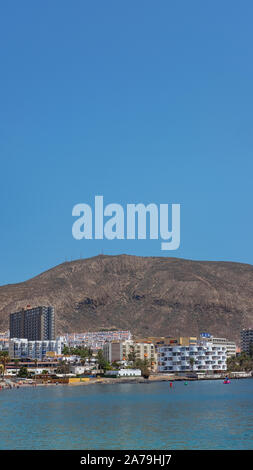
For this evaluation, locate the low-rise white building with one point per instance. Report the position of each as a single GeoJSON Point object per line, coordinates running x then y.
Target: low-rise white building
{"type": "Point", "coordinates": [21, 348]}
{"type": "Point", "coordinates": [78, 369]}
{"type": "Point", "coordinates": [230, 345]}
{"type": "Point", "coordinates": [70, 359]}
{"type": "Point", "coordinates": [208, 357]}
{"type": "Point", "coordinates": [124, 373]}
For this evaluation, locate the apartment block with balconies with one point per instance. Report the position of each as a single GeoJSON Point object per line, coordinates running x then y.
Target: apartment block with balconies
{"type": "Point", "coordinates": [127, 350]}
{"type": "Point", "coordinates": [34, 324]}
{"type": "Point", "coordinates": [198, 358]}
{"type": "Point", "coordinates": [22, 348]}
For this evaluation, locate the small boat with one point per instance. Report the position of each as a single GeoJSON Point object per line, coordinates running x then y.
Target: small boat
{"type": "Point", "coordinates": [227, 381]}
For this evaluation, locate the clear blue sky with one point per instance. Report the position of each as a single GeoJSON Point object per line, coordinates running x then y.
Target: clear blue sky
{"type": "Point", "coordinates": [139, 101]}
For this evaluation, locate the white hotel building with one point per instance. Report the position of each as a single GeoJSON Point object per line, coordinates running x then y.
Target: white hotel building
{"type": "Point", "coordinates": [22, 348]}
{"type": "Point", "coordinates": [202, 357]}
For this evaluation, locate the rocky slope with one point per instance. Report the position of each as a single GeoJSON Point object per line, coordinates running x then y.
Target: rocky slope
{"type": "Point", "coordinates": [149, 296]}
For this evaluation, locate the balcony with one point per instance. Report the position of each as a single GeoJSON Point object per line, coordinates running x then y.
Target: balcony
{"type": "Point", "coordinates": [193, 349]}
{"type": "Point", "coordinates": [185, 364]}
{"type": "Point", "coordinates": [201, 363]}
{"type": "Point", "coordinates": [176, 349]}
{"type": "Point", "coordinates": [176, 359]}
{"type": "Point", "coordinates": [168, 363]}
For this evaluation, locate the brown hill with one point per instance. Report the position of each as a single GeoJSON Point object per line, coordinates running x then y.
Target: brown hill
{"type": "Point", "coordinates": [149, 296]}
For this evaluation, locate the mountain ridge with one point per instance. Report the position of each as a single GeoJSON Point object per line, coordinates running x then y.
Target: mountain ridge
{"type": "Point", "coordinates": [147, 295]}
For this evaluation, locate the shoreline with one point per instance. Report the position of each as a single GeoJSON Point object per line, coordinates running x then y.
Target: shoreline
{"type": "Point", "coordinates": [114, 381]}
{"type": "Point", "coordinates": [153, 380]}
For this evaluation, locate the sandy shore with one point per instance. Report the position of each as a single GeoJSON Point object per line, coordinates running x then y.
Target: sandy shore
{"type": "Point", "coordinates": [110, 381]}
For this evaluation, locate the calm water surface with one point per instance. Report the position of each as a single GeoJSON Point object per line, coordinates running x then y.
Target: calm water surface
{"type": "Point", "coordinates": [201, 415]}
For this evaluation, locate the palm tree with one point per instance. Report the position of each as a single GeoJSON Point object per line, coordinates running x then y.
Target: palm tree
{"type": "Point", "coordinates": [144, 365]}
{"type": "Point", "coordinates": [36, 363]}
{"type": "Point", "coordinates": [4, 359]}
{"type": "Point", "coordinates": [90, 354]}
{"type": "Point", "coordinates": [251, 350]}
{"type": "Point", "coordinates": [63, 368]}
{"type": "Point", "coordinates": [16, 362]}
{"type": "Point", "coordinates": [132, 354]}
{"type": "Point", "coordinates": [192, 362]}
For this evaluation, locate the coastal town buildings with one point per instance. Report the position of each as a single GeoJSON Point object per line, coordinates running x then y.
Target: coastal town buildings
{"type": "Point", "coordinates": [34, 324]}
{"type": "Point", "coordinates": [5, 335]}
{"type": "Point", "coordinates": [78, 369]}
{"type": "Point", "coordinates": [95, 339]}
{"type": "Point", "coordinates": [37, 367]}
{"type": "Point", "coordinates": [231, 347]}
{"type": "Point", "coordinates": [113, 351]}
{"type": "Point", "coordinates": [22, 348]}
{"type": "Point", "coordinates": [201, 357]}
{"type": "Point", "coordinates": [116, 351]}
{"type": "Point", "coordinates": [173, 340]}
{"type": "Point", "coordinates": [158, 341]}
{"type": "Point", "coordinates": [4, 341]}
{"type": "Point", "coordinates": [140, 350]}
{"type": "Point", "coordinates": [123, 373]}
{"type": "Point", "coordinates": [247, 340]}
{"type": "Point", "coordinates": [165, 353]}
{"type": "Point", "coordinates": [4, 345]}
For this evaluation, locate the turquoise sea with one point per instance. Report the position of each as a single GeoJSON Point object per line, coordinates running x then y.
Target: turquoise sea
{"type": "Point", "coordinates": [201, 415]}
